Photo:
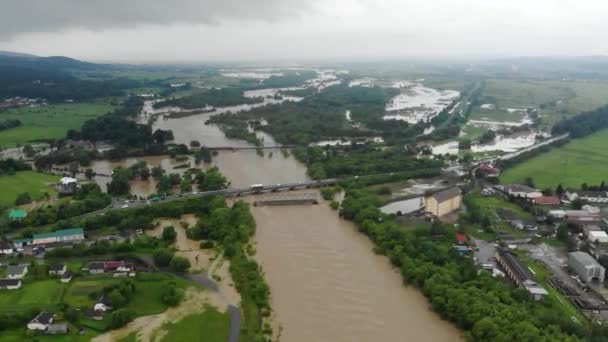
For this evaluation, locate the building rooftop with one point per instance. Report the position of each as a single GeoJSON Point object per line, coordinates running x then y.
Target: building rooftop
{"type": "Point", "coordinates": [56, 267]}
{"type": "Point", "coordinates": [97, 265]}
{"type": "Point", "coordinates": [17, 214]}
{"type": "Point", "coordinates": [547, 200]}
{"type": "Point", "coordinates": [9, 282]}
{"type": "Point", "coordinates": [58, 328]}
{"type": "Point", "coordinates": [68, 180]}
{"type": "Point", "coordinates": [15, 269]}
{"type": "Point", "coordinates": [60, 233]}
{"type": "Point", "coordinates": [522, 273]}
{"type": "Point", "coordinates": [43, 318]}
{"type": "Point", "coordinates": [584, 259]}
{"type": "Point", "coordinates": [447, 194]}
{"type": "Point", "coordinates": [520, 188]}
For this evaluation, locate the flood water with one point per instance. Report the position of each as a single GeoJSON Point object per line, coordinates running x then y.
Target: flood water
{"type": "Point", "coordinates": [327, 284]}
{"type": "Point", "coordinates": [240, 167]}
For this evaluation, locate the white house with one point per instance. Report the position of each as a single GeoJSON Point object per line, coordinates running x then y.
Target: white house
{"type": "Point", "coordinates": [597, 236]}
{"type": "Point", "coordinates": [10, 284]}
{"type": "Point", "coordinates": [68, 185]}
{"type": "Point", "coordinates": [57, 269]}
{"type": "Point", "coordinates": [102, 304]}
{"type": "Point", "coordinates": [524, 191]}
{"type": "Point", "coordinates": [6, 248]}
{"type": "Point", "coordinates": [41, 322]}
{"type": "Point", "coordinates": [66, 277]}
{"type": "Point", "coordinates": [16, 271]}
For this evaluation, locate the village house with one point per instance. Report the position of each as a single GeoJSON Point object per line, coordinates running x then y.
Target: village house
{"type": "Point", "coordinates": [96, 267]}
{"type": "Point", "coordinates": [113, 265]}
{"type": "Point", "coordinates": [68, 185]}
{"type": "Point", "coordinates": [57, 329]}
{"type": "Point", "coordinates": [10, 284]}
{"type": "Point", "coordinates": [519, 274]}
{"type": "Point", "coordinates": [57, 269]}
{"type": "Point", "coordinates": [6, 248]}
{"type": "Point", "coordinates": [103, 304]}
{"type": "Point", "coordinates": [64, 235]}
{"type": "Point", "coordinates": [41, 321]}
{"type": "Point", "coordinates": [547, 201]}
{"type": "Point", "coordinates": [488, 170]}
{"type": "Point", "coordinates": [66, 277]}
{"type": "Point", "coordinates": [443, 202]}
{"type": "Point", "coordinates": [587, 215]}
{"type": "Point", "coordinates": [587, 196]}
{"type": "Point", "coordinates": [598, 236]}
{"type": "Point", "coordinates": [94, 315]}
{"type": "Point", "coordinates": [17, 215]}
{"type": "Point", "coordinates": [16, 271]}
{"type": "Point", "coordinates": [522, 191]}
{"type": "Point", "coordinates": [20, 243]}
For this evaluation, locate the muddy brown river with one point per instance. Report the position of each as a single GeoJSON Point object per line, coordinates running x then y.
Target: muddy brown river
{"type": "Point", "coordinates": [327, 284]}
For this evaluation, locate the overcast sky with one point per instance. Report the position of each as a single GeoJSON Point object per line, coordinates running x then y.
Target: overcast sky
{"type": "Point", "coordinates": [299, 30]}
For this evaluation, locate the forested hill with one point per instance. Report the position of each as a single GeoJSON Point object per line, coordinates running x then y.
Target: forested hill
{"type": "Point", "coordinates": [51, 78]}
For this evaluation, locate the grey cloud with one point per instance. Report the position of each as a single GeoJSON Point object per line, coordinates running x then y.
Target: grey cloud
{"type": "Point", "coordinates": [26, 16]}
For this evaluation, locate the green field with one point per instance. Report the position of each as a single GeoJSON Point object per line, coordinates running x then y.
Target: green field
{"type": "Point", "coordinates": [491, 207]}
{"type": "Point", "coordinates": [210, 323]}
{"type": "Point", "coordinates": [48, 122]}
{"type": "Point", "coordinates": [580, 161]}
{"type": "Point", "coordinates": [25, 181]}
{"type": "Point", "coordinates": [44, 293]}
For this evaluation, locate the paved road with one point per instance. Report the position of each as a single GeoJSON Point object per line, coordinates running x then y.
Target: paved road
{"type": "Point", "coordinates": [250, 190]}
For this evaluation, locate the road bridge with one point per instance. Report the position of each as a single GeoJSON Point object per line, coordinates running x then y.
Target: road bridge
{"type": "Point", "coordinates": [287, 199]}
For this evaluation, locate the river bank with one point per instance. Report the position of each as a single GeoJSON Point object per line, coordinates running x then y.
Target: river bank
{"type": "Point", "coordinates": [327, 285]}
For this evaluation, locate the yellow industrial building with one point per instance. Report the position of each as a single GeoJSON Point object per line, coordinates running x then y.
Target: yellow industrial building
{"type": "Point", "coordinates": [443, 202]}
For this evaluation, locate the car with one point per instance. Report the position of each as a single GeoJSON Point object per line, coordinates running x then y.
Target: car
{"type": "Point", "coordinates": [112, 237]}
{"type": "Point", "coordinates": [139, 231]}
{"type": "Point", "coordinates": [124, 206]}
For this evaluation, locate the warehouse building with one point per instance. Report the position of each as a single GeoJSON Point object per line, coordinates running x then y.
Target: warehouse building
{"type": "Point", "coordinates": [65, 235]}
{"type": "Point", "coordinates": [519, 274]}
{"type": "Point", "coordinates": [443, 202]}
{"type": "Point", "coordinates": [586, 267]}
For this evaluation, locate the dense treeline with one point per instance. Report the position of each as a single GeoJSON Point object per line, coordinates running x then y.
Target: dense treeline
{"type": "Point", "coordinates": [486, 308]}
{"type": "Point", "coordinates": [10, 166]}
{"type": "Point", "coordinates": [322, 115]}
{"type": "Point", "coordinates": [213, 97]}
{"type": "Point", "coordinates": [583, 124]}
{"type": "Point", "coordinates": [362, 160]}
{"type": "Point", "coordinates": [10, 123]}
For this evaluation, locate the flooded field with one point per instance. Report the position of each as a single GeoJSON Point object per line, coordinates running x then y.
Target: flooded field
{"type": "Point", "coordinates": [241, 168]}
{"type": "Point", "coordinates": [418, 103]}
{"type": "Point", "coordinates": [327, 284]}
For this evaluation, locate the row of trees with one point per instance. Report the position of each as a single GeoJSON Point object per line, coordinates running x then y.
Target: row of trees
{"type": "Point", "coordinates": [208, 180]}
{"type": "Point", "coordinates": [10, 166]}
{"type": "Point", "coordinates": [486, 308]}
{"type": "Point", "coordinates": [362, 160]}
{"type": "Point", "coordinates": [583, 124]}
{"type": "Point", "coordinates": [9, 123]}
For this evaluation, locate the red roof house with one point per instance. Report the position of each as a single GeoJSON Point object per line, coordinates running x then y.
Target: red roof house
{"type": "Point", "coordinates": [113, 265]}
{"type": "Point", "coordinates": [461, 238]}
{"type": "Point", "coordinates": [552, 201]}
{"type": "Point", "coordinates": [488, 169]}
